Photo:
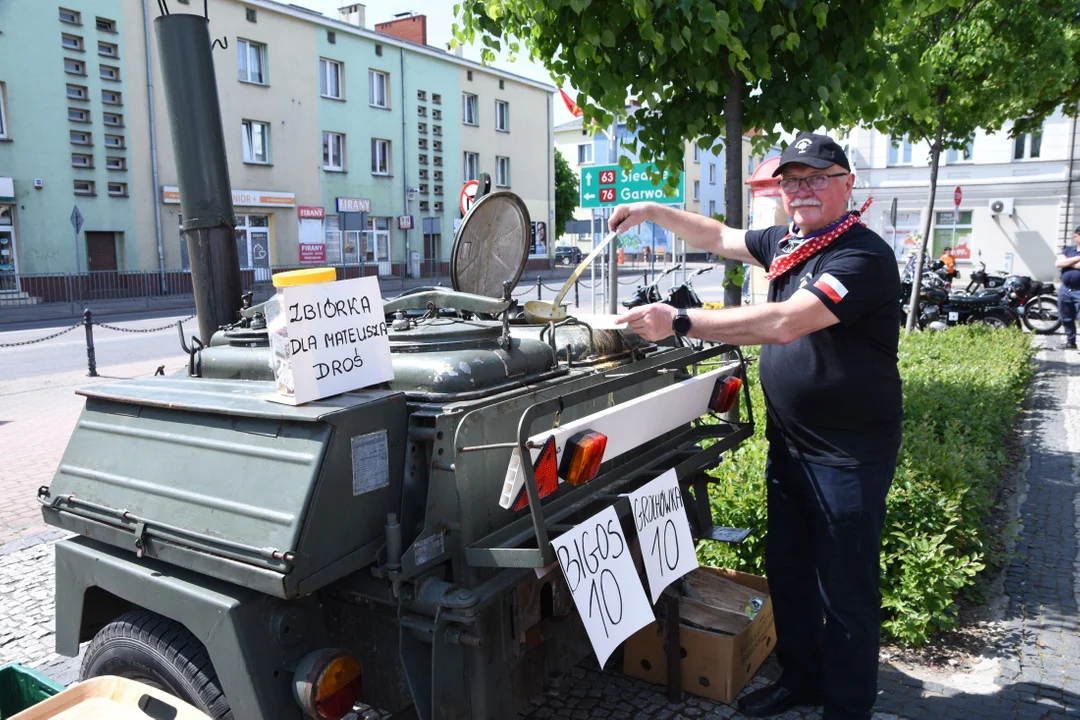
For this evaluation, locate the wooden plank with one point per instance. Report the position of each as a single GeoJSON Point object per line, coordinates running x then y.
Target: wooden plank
{"type": "Point", "coordinates": [716, 603]}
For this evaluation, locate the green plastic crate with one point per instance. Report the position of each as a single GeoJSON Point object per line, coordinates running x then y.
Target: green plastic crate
{"type": "Point", "coordinates": [22, 688]}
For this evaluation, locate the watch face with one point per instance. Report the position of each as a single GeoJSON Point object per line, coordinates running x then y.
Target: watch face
{"type": "Point", "coordinates": [681, 323]}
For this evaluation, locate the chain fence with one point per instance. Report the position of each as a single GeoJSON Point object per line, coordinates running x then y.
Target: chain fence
{"type": "Point", "coordinates": [170, 326]}
{"type": "Point", "coordinates": [41, 339]}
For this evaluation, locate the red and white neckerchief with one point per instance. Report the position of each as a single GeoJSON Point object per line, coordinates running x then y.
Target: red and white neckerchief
{"type": "Point", "coordinates": [813, 243]}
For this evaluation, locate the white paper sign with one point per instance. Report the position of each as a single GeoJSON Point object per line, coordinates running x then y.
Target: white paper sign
{"type": "Point", "coordinates": [337, 336]}
{"type": "Point", "coordinates": [667, 547]}
{"type": "Point", "coordinates": [605, 585]}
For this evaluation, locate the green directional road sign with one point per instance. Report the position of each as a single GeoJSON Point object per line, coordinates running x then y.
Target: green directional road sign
{"type": "Point", "coordinates": [610, 185]}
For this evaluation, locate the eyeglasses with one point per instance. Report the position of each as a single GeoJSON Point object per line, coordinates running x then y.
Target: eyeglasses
{"type": "Point", "coordinates": [790, 186]}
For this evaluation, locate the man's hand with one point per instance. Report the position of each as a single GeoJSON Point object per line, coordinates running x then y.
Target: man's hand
{"type": "Point", "coordinates": [627, 216]}
{"type": "Point", "coordinates": [650, 322]}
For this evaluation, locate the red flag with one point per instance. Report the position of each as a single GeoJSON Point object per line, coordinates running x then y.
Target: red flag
{"type": "Point", "coordinates": [570, 104]}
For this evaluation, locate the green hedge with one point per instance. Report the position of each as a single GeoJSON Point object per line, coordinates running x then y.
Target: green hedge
{"type": "Point", "coordinates": [962, 394]}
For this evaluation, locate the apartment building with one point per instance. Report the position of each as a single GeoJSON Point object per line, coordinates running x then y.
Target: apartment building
{"type": "Point", "coordinates": [321, 117]}
{"type": "Point", "coordinates": [1018, 196]}
{"type": "Point", "coordinates": [65, 124]}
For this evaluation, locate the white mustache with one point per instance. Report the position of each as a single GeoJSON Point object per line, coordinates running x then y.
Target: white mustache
{"type": "Point", "coordinates": [800, 202]}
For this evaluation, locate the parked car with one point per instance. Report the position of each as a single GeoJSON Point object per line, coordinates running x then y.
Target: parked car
{"type": "Point", "coordinates": [567, 255]}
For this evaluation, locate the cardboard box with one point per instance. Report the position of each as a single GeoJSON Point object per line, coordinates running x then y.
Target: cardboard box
{"type": "Point", "coordinates": [715, 666]}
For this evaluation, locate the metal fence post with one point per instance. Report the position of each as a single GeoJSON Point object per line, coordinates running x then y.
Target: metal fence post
{"type": "Point", "coordinates": [538, 297]}
{"type": "Point", "coordinates": [645, 277]}
{"type": "Point", "coordinates": [91, 361]}
{"type": "Point", "coordinates": [577, 300]}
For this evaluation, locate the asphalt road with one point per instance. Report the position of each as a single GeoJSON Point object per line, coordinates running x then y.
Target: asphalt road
{"type": "Point", "coordinates": [67, 352]}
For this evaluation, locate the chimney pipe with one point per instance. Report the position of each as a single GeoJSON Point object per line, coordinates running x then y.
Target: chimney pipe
{"type": "Point", "coordinates": [191, 99]}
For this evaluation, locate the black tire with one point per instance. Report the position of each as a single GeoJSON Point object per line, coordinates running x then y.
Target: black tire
{"type": "Point", "coordinates": [996, 319]}
{"type": "Point", "coordinates": [147, 647]}
{"type": "Point", "coordinates": [1041, 315]}
{"type": "Point", "coordinates": [566, 260]}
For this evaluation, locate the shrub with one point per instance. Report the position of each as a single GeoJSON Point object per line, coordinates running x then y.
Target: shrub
{"type": "Point", "coordinates": [962, 394]}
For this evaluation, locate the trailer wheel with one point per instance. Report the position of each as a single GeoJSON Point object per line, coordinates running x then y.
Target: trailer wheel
{"type": "Point", "coordinates": [155, 650]}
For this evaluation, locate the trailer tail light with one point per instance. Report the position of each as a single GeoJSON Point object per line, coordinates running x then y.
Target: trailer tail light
{"type": "Point", "coordinates": [725, 393]}
{"type": "Point", "coordinates": [546, 471]}
{"type": "Point", "coordinates": [327, 684]}
{"type": "Point", "coordinates": [582, 457]}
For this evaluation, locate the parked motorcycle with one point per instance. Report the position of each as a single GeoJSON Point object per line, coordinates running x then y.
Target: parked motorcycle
{"type": "Point", "coordinates": [649, 294]}
{"type": "Point", "coordinates": [938, 309]}
{"type": "Point", "coordinates": [1034, 301]}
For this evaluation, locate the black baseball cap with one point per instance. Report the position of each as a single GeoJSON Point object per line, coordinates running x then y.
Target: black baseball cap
{"type": "Point", "coordinates": [817, 151]}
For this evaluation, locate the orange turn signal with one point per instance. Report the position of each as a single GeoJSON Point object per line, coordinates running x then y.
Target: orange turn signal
{"type": "Point", "coordinates": [582, 456]}
{"type": "Point", "coordinates": [327, 684]}
{"type": "Point", "coordinates": [725, 393]}
{"type": "Point", "coordinates": [546, 472]}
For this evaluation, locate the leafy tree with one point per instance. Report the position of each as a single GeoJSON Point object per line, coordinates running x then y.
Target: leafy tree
{"type": "Point", "coordinates": [566, 194]}
{"type": "Point", "coordinates": [702, 70]}
{"type": "Point", "coordinates": [976, 64]}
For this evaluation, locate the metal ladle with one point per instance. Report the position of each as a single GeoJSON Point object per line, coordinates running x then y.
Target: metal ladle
{"type": "Point", "coordinates": [540, 311]}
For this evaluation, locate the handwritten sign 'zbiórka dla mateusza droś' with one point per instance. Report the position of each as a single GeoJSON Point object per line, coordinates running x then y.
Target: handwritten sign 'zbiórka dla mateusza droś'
{"type": "Point", "coordinates": [337, 337]}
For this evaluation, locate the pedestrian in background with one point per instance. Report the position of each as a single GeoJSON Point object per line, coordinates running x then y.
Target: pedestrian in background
{"type": "Point", "coordinates": [1069, 292]}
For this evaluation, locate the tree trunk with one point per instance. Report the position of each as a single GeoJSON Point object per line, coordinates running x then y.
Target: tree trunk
{"type": "Point", "coordinates": [733, 195]}
{"type": "Point", "coordinates": [916, 284]}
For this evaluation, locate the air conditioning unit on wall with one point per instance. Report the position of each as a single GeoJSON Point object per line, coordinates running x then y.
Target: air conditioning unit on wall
{"type": "Point", "coordinates": [1001, 206]}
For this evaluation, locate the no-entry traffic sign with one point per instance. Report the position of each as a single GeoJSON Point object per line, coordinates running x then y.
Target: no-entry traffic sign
{"type": "Point", "coordinates": [468, 193]}
{"type": "Point", "coordinates": [957, 196]}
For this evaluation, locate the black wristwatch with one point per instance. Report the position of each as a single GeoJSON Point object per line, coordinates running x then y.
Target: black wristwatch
{"type": "Point", "coordinates": [681, 324]}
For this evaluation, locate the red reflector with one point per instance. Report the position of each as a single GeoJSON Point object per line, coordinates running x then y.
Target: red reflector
{"type": "Point", "coordinates": [546, 471]}
{"type": "Point", "coordinates": [725, 393]}
{"type": "Point", "coordinates": [582, 456]}
{"type": "Point", "coordinates": [340, 703]}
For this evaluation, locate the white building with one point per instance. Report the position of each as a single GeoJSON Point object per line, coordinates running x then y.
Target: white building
{"type": "Point", "coordinates": [1018, 201]}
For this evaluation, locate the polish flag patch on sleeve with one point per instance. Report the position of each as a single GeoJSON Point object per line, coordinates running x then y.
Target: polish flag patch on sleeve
{"type": "Point", "coordinates": [831, 287]}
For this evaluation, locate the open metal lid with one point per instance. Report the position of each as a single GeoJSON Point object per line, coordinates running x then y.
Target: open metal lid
{"type": "Point", "coordinates": [492, 245]}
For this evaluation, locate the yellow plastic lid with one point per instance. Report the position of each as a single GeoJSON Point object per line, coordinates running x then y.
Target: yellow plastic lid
{"type": "Point", "coordinates": [307, 276]}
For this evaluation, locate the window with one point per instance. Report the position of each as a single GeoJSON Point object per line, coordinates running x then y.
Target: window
{"type": "Point", "coordinates": [80, 160]}
{"type": "Point", "coordinates": [697, 154]}
{"type": "Point", "coordinates": [378, 88]}
{"type": "Point", "coordinates": [115, 163]}
{"type": "Point", "coordinates": [697, 189]}
{"type": "Point", "coordinates": [421, 127]}
{"type": "Point", "coordinates": [422, 144]}
{"type": "Point", "coordinates": [421, 95]}
{"type": "Point", "coordinates": [106, 25]}
{"type": "Point", "coordinates": [330, 79]}
{"type": "Point", "coordinates": [438, 206]}
{"type": "Point", "coordinates": [110, 97]}
{"type": "Point", "coordinates": [468, 109]}
{"type": "Point", "coordinates": [250, 59]}
{"type": "Point", "coordinates": [437, 175]}
{"type": "Point", "coordinates": [424, 174]}
{"type": "Point", "coordinates": [472, 165]}
{"type": "Point", "coordinates": [750, 164]}
{"type": "Point", "coordinates": [84, 187]}
{"type": "Point", "coordinates": [712, 173]}
{"type": "Point", "coordinates": [333, 151]}
{"type": "Point", "coordinates": [108, 72]}
{"type": "Point", "coordinates": [423, 206]}
{"type": "Point", "coordinates": [468, 75]}
{"type": "Point", "coordinates": [423, 189]}
{"type": "Point", "coordinates": [436, 145]}
{"type": "Point", "coordinates": [955, 156]}
{"type": "Point", "coordinates": [107, 49]}
{"type": "Point", "coordinates": [70, 16]}
{"type": "Point", "coordinates": [112, 119]}
{"type": "Point", "coordinates": [502, 116]}
{"type": "Point", "coordinates": [74, 67]}
{"type": "Point", "coordinates": [421, 110]}
{"type": "Point", "coordinates": [118, 189]}
{"type": "Point", "coordinates": [436, 99]}
{"type": "Point", "coordinates": [71, 42]}
{"type": "Point", "coordinates": [256, 137]}
{"type": "Point", "coordinates": [585, 154]}
{"type": "Point", "coordinates": [76, 92]}
{"type": "Point", "coordinates": [380, 157]}
{"type": "Point", "coordinates": [80, 138]}
{"type": "Point", "coordinates": [1027, 146]}
{"type": "Point", "coordinates": [78, 115]}
{"type": "Point", "coordinates": [436, 114]}
{"type": "Point", "coordinates": [3, 114]}
{"type": "Point", "coordinates": [900, 154]}
{"type": "Point", "coordinates": [423, 159]}
{"type": "Point", "coordinates": [502, 171]}
{"type": "Point", "coordinates": [712, 208]}
{"type": "Point", "coordinates": [250, 14]}
{"type": "Point", "coordinates": [438, 189]}
{"type": "Point", "coordinates": [437, 161]}
{"type": "Point", "coordinates": [114, 141]}
{"type": "Point", "coordinates": [953, 229]}
{"type": "Point", "coordinates": [502, 85]}
{"type": "Point", "coordinates": [331, 37]}
{"type": "Point", "coordinates": [436, 129]}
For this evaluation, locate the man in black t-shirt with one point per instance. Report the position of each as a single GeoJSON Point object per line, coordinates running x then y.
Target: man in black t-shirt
{"type": "Point", "coordinates": [829, 337]}
{"type": "Point", "coordinates": [1069, 292]}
